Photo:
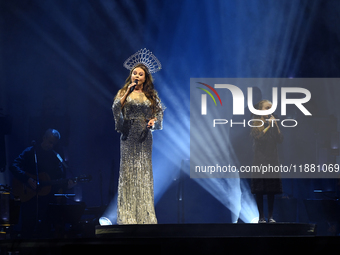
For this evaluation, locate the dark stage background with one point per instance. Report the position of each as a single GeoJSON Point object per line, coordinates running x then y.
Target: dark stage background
{"type": "Point", "coordinates": [61, 63]}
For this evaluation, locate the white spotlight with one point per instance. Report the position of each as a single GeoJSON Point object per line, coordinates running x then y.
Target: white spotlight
{"type": "Point", "coordinates": [103, 221]}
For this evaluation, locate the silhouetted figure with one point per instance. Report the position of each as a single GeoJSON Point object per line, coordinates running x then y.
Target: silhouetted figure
{"type": "Point", "coordinates": [266, 136]}
{"type": "Point", "coordinates": [38, 175]}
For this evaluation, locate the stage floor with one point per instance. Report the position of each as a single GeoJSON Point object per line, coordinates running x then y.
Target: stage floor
{"type": "Point", "coordinates": [279, 238]}
{"type": "Point", "coordinates": [207, 230]}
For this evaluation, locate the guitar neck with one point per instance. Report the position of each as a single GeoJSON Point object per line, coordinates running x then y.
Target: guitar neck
{"type": "Point", "coordinates": [53, 182]}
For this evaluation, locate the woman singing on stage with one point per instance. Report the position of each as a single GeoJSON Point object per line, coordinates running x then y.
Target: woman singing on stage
{"type": "Point", "coordinates": [137, 111]}
{"type": "Point", "coordinates": [266, 136]}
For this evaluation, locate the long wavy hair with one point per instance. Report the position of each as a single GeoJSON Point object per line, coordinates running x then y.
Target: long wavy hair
{"type": "Point", "coordinates": [148, 88]}
{"type": "Point", "coordinates": [259, 127]}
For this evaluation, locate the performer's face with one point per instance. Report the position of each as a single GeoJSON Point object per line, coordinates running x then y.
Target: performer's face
{"type": "Point", "coordinates": [138, 74]}
{"type": "Point", "coordinates": [48, 143]}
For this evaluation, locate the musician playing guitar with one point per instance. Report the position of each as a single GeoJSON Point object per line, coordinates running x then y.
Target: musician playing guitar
{"type": "Point", "coordinates": [36, 165]}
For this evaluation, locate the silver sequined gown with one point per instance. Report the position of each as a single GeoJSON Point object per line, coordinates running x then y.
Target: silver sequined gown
{"type": "Point", "coordinates": [135, 185]}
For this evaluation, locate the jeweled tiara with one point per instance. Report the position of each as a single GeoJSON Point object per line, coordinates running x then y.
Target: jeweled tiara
{"type": "Point", "coordinates": [145, 57]}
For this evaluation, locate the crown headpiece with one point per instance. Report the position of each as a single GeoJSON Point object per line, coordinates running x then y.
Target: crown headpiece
{"type": "Point", "coordinates": [145, 57]}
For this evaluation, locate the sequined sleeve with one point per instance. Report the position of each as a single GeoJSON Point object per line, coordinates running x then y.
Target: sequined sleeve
{"type": "Point", "coordinates": [159, 115]}
{"type": "Point", "coordinates": [118, 115]}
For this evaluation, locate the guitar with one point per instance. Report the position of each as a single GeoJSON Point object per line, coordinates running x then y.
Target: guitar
{"type": "Point", "coordinates": [26, 193]}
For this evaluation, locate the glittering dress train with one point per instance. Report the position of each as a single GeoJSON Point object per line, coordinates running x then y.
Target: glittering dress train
{"type": "Point", "coordinates": [135, 185]}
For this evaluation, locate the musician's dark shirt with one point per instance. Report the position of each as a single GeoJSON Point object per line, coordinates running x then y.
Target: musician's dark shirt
{"type": "Point", "coordinates": [47, 163]}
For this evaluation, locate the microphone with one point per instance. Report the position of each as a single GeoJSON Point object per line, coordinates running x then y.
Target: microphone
{"type": "Point", "coordinates": [133, 87]}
